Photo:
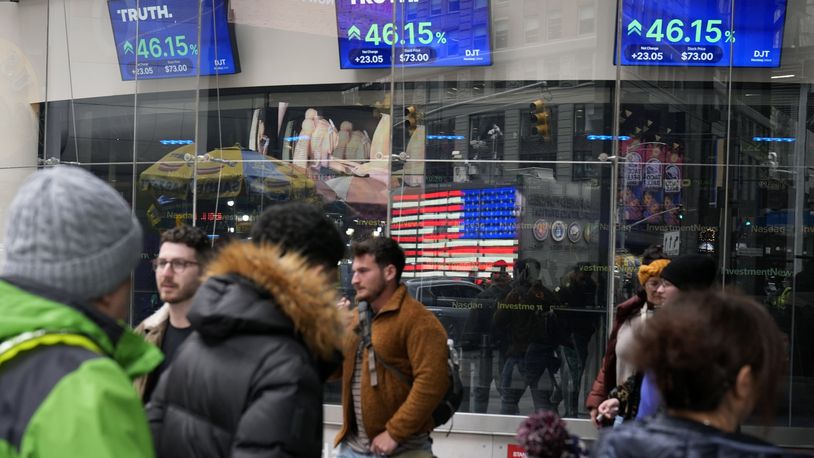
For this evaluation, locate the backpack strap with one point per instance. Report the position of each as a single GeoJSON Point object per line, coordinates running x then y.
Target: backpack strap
{"type": "Point", "coordinates": [366, 325]}
{"type": "Point", "coordinates": [399, 374]}
{"type": "Point", "coordinates": [27, 341]}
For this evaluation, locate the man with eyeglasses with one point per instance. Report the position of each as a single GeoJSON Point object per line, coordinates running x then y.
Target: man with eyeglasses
{"type": "Point", "coordinates": [249, 380]}
{"type": "Point", "coordinates": [178, 269]}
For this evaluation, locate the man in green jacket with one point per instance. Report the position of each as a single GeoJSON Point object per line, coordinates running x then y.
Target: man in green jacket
{"type": "Point", "coordinates": [66, 359]}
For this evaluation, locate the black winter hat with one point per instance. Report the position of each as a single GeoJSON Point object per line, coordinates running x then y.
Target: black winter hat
{"type": "Point", "coordinates": [691, 272]}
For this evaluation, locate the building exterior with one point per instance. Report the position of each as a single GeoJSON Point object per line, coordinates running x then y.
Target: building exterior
{"type": "Point", "coordinates": [551, 157]}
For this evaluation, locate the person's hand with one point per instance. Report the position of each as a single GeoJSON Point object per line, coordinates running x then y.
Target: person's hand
{"type": "Point", "coordinates": [383, 444]}
{"type": "Point", "coordinates": [608, 410]}
{"type": "Point", "coordinates": [596, 421]}
{"type": "Point", "coordinates": [344, 305]}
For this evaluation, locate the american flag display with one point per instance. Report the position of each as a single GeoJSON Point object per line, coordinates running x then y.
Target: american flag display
{"type": "Point", "coordinates": [457, 233]}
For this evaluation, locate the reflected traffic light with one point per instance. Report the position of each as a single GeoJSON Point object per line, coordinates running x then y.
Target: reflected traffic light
{"type": "Point", "coordinates": [540, 117]}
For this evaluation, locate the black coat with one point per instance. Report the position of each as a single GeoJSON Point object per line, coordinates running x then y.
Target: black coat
{"type": "Point", "coordinates": [670, 437]}
{"type": "Point", "coordinates": [248, 381]}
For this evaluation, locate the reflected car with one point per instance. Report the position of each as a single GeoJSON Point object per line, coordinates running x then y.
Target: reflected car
{"type": "Point", "coordinates": [449, 299]}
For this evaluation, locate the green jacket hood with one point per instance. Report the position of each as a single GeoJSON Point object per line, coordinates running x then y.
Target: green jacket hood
{"type": "Point", "coordinates": [29, 307]}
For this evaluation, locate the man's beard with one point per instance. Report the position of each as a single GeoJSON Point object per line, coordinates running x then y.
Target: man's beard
{"type": "Point", "coordinates": [179, 295]}
{"type": "Point", "coordinates": [371, 294]}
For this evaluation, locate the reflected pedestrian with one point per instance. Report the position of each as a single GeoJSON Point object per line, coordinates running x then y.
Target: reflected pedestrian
{"type": "Point", "coordinates": [478, 344]}
{"type": "Point", "coordinates": [527, 335]}
{"type": "Point", "coordinates": [577, 291]}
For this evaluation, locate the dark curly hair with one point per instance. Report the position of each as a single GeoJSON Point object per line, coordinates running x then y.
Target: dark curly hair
{"type": "Point", "coordinates": [696, 346]}
{"type": "Point", "coordinates": [385, 251]}
{"type": "Point", "coordinates": [192, 237]}
{"type": "Point", "coordinates": [300, 228]}
{"type": "Point", "coordinates": [543, 434]}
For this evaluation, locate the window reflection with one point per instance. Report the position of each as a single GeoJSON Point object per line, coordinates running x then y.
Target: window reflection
{"type": "Point", "coordinates": [691, 175]}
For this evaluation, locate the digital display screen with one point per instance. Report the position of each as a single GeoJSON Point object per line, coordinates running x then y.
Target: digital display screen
{"type": "Point", "coordinates": [159, 38]}
{"type": "Point", "coordinates": [444, 33]}
{"type": "Point", "coordinates": [702, 33]}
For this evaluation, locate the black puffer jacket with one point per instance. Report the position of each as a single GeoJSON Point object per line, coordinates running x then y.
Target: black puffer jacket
{"type": "Point", "coordinates": [670, 437]}
{"type": "Point", "coordinates": [248, 381]}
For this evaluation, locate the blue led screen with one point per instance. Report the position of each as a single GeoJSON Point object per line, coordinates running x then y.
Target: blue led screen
{"type": "Point", "coordinates": [489, 213]}
{"type": "Point", "coordinates": [167, 44]}
{"type": "Point", "coordinates": [702, 33]}
{"type": "Point", "coordinates": [443, 33]}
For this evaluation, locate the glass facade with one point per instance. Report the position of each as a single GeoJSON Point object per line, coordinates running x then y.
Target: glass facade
{"type": "Point", "coordinates": [524, 192]}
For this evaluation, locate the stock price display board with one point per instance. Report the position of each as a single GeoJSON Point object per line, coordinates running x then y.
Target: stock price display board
{"type": "Point", "coordinates": [423, 33]}
{"type": "Point", "coordinates": [702, 33]}
{"type": "Point", "coordinates": [159, 38]}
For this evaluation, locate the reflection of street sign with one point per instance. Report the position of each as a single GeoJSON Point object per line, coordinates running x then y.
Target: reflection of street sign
{"type": "Point", "coordinates": [671, 243]}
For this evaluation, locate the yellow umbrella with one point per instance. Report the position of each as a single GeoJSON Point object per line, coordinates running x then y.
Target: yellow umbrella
{"type": "Point", "coordinates": [225, 173]}
{"type": "Point", "coordinates": [219, 172]}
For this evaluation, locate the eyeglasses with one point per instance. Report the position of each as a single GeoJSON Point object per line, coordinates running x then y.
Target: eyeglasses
{"type": "Point", "coordinates": [654, 283]}
{"type": "Point", "coordinates": [178, 265]}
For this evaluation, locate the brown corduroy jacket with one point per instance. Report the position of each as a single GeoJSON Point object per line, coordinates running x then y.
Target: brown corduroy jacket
{"type": "Point", "coordinates": [409, 337]}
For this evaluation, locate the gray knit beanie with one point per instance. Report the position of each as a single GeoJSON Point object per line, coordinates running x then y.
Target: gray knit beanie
{"type": "Point", "coordinates": [70, 230]}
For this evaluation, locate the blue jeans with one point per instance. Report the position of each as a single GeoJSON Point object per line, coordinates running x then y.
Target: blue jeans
{"type": "Point", "coordinates": [346, 452]}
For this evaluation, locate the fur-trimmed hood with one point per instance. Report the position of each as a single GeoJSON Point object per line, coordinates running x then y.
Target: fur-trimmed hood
{"type": "Point", "coordinates": [252, 289]}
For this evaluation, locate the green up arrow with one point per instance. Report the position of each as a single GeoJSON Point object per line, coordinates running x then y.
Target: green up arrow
{"type": "Point", "coordinates": [634, 27]}
{"type": "Point", "coordinates": [354, 32]}
{"type": "Point", "coordinates": [128, 47]}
